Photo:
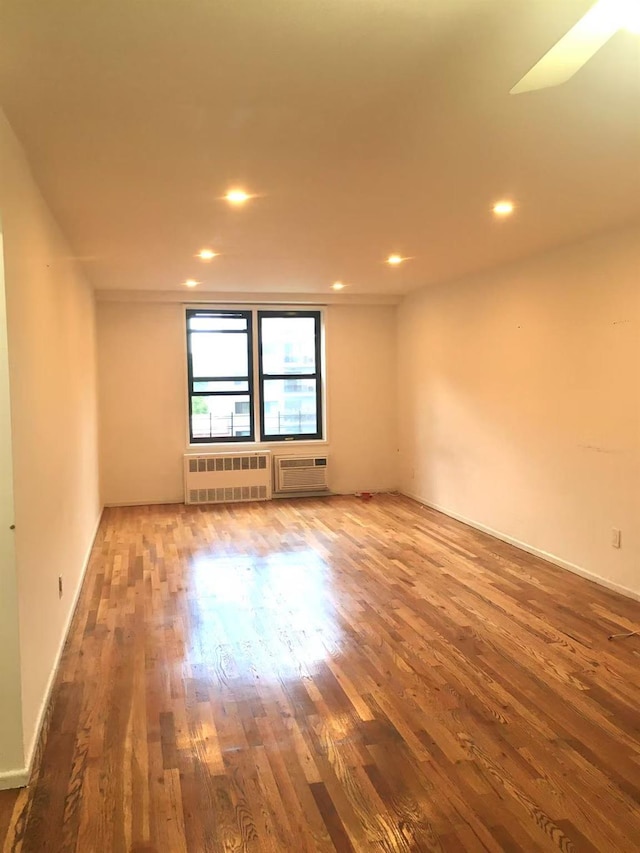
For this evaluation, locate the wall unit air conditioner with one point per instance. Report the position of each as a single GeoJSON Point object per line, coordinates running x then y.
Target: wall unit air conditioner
{"type": "Point", "coordinates": [214, 478]}
{"type": "Point", "coordinates": [300, 474]}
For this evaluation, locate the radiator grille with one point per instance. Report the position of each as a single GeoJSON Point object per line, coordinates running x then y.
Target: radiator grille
{"type": "Point", "coordinates": [227, 478]}
{"type": "Point", "coordinates": [228, 495]}
{"type": "Point", "coordinates": [227, 463]}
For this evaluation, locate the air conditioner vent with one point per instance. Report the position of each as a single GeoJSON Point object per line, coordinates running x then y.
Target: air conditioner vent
{"type": "Point", "coordinates": [301, 474]}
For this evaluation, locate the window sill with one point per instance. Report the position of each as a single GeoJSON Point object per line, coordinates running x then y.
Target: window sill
{"type": "Point", "coordinates": [249, 446]}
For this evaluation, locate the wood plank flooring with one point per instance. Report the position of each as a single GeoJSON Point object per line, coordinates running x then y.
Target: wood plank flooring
{"type": "Point", "coordinates": [334, 675]}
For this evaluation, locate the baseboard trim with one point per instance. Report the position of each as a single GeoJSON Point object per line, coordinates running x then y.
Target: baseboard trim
{"type": "Point", "coordinates": [44, 706]}
{"type": "Point", "coordinates": [530, 549]}
{"type": "Point", "coordinates": [179, 500]}
{"type": "Point", "coordinates": [14, 779]}
{"type": "Point", "coordinates": [274, 496]}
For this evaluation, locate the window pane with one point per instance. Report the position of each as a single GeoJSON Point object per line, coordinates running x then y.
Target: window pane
{"type": "Point", "coordinates": [239, 385]}
{"type": "Point", "coordinates": [219, 355]}
{"type": "Point", "coordinates": [216, 417]}
{"type": "Point", "coordinates": [217, 323]}
{"type": "Point", "coordinates": [290, 407]}
{"type": "Point", "coordinates": [288, 345]}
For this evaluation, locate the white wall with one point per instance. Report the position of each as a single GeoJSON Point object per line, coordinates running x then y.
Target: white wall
{"type": "Point", "coordinates": [52, 367]}
{"type": "Point", "coordinates": [143, 400]}
{"type": "Point", "coordinates": [520, 397]}
{"type": "Point", "coordinates": [361, 398]}
{"type": "Point", "coordinates": [11, 746]}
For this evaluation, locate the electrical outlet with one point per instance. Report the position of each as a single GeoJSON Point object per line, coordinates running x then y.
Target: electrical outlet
{"type": "Point", "coordinates": [615, 537]}
{"type": "Point", "coordinates": [59, 586]}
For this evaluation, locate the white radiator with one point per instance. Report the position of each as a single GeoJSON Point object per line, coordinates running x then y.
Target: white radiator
{"type": "Point", "coordinates": [300, 474]}
{"type": "Point", "coordinates": [214, 478]}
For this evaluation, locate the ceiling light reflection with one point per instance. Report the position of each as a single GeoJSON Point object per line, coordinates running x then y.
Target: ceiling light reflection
{"type": "Point", "coordinates": [237, 196]}
{"type": "Point", "coordinates": [503, 208]}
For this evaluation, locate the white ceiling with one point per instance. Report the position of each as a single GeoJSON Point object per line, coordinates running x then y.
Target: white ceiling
{"type": "Point", "coordinates": [365, 126]}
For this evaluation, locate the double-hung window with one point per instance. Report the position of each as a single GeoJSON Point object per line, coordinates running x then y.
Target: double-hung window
{"type": "Point", "coordinates": [290, 380]}
{"type": "Point", "coordinates": [238, 379]}
{"type": "Point", "coordinates": [220, 366]}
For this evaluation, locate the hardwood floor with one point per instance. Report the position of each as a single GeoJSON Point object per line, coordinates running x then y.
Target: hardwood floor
{"type": "Point", "coordinates": [338, 675]}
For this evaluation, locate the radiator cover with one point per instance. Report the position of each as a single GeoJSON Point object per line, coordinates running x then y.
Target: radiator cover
{"type": "Point", "coordinates": [214, 478]}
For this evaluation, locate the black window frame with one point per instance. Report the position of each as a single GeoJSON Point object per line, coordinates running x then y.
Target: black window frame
{"type": "Point", "coordinates": [306, 436]}
{"type": "Point", "coordinates": [221, 312]}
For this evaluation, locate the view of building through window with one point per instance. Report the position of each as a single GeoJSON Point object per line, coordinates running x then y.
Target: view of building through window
{"type": "Point", "coordinates": [222, 382]}
{"type": "Point", "coordinates": [220, 364]}
{"type": "Point", "coordinates": [288, 368]}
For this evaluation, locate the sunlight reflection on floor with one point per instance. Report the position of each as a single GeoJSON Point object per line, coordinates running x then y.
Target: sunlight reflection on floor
{"type": "Point", "coordinates": [274, 610]}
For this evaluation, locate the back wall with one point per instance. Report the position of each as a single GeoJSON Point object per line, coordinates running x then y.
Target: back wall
{"type": "Point", "coordinates": [143, 400]}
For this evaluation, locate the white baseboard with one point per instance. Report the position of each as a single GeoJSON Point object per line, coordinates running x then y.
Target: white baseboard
{"type": "Point", "coordinates": [117, 504]}
{"type": "Point", "coordinates": [274, 496]}
{"type": "Point", "coordinates": [25, 773]}
{"type": "Point", "coordinates": [530, 549]}
{"type": "Point", "coordinates": [14, 779]}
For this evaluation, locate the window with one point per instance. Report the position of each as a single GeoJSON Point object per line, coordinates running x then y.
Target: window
{"type": "Point", "coordinates": [219, 355]}
{"type": "Point", "coordinates": [290, 380]}
{"type": "Point", "coordinates": [224, 400]}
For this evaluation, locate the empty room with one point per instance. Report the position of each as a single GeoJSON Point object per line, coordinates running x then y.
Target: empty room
{"type": "Point", "coordinates": [319, 426]}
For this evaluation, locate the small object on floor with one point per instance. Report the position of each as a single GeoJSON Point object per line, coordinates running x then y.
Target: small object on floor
{"type": "Point", "coordinates": [366, 496]}
{"type": "Point", "coordinates": [623, 636]}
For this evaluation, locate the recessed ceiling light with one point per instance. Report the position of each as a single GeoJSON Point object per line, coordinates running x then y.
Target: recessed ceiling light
{"type": "Point", "coordinates": [207, 254]}
{"type": "Point", "coordinates": [610, 15]}
{"type": "Point", "coordinates": [503, 208]}
{"type": "Point", "coordinates": [191, 283]}
{"type": "Point", "coordinates": [338, 285]}
{"type": "Point", "coordinates": [632, 16]}
{"type": "Point", "coordinates": [237, 196]}
{"type": "Point", "coordinates": [394, 260]}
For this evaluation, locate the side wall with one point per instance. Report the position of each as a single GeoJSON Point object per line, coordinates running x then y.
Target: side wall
{"type": "Point", "coordinates": [11, 746]}
{"type": "Point", "coordinates": [143, 394]}
{"type": "Point", "coordinates": [519, 394]}
{"type": "Point", "coordinates": [52, 369]}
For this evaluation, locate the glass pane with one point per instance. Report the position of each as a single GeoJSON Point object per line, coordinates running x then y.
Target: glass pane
{"type": "Point", "coordinates": [219, 355]}
{"type": "Point", "coordinates": [288, 345]}
{"type": "Point", "coordinates": [218, 323]}
{"type": "Point", "coordinates": [290, 406]}
{"type": "Point", "coordinates": [239, 385]}
{"type": "Point", "coordinates": [220, 417]}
